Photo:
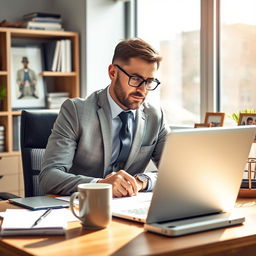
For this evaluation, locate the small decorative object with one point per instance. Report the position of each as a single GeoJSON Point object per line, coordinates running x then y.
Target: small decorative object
{"type": "Point", "coordinates": [236, 116]}
{"type": "Point", "coordinates": [2, 97]}
{"type": "Point", "coordinates": [201, 125]}
{"type": "Point", "coordinates": [27, 88]}
{"type": "Point", "coordinates": [216, 119]}
{"type": "Point", "coordinates": [248, 186]}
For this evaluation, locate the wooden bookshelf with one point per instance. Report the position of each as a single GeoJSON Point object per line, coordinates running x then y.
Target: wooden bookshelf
{"type": "Point", "coordinates": [57, 81]}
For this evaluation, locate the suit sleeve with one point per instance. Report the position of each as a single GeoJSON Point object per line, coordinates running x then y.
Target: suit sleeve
{"type": "Point", "coordinates": [54, 177]}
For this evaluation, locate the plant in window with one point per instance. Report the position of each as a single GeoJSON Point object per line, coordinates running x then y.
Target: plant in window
{"type": "Point", "coordinates": [235, 116]}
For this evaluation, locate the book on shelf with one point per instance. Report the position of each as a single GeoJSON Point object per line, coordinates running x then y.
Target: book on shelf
{"type": "Point", "coordinates": [16, 133]}
{"type": "Point", "coordinates": [49, 54]}
{"type": "Point", "coordinates": [58, 94]}
{"type": "Point", "coordinates": [41, 14]}
{"type": "Point", "coordinates": [55, 100]}
{"type": "Point", "coordinates": [2, 138]}
{"type": "Point", "coordinates": [43, 21]}
{"type": "Point", "coordinates": [61, 59]}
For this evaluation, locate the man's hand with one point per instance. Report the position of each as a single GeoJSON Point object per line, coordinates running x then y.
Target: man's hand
{"type": "Point", "coordinates": [123, 184]}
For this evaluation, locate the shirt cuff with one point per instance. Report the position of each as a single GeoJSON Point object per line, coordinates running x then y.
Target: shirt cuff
{"type": "Point", "coordinates": [152, 176]}
{"type": "Point", "coordinates": [95, 180]}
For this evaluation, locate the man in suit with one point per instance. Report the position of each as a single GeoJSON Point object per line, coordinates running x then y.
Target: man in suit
{"type": "Point", "coordinates": [89, 142]}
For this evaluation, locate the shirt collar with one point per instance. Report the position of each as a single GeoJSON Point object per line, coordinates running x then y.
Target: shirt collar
{"type": "Point", "coordinates": [115, 109]}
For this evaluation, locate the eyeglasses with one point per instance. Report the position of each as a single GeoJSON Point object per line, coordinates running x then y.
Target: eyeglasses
{"type": "Point", "coordinates": [136, 81]}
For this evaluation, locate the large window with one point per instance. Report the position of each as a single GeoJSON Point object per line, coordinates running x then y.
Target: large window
{"type": "Point", "coordinates": [237, 55]}
{"type": "Point", "coordinates": [173, 28]}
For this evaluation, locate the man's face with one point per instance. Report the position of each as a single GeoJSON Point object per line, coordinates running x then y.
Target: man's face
{"type": "Point", "coordinates": [250, 122]}
{"type": "Point", "coordinates": [128, 97]}
{"type": "Point", "coordinates": [25, 64]}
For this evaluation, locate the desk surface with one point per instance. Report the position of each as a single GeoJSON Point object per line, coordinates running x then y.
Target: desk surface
{"type": "Point", "coordinates": [128, 238]}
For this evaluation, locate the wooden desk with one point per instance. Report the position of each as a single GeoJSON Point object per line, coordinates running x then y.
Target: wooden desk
{"type": "Point", "coordinates": [128, 238]}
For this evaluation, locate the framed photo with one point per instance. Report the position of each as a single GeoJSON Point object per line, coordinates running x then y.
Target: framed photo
{"type": "Point", "coordinates": [199, 125]}
{"type": "Point", "coordinates": [247, 119]}
{"type": "Point", "coordinates": [27, 87]}
{"type": "Point", "coordinates": [216, 119]}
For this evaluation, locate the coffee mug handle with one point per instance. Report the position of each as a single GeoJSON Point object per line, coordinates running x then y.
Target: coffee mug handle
{"type": "Point", "coordinates": [71, 203]}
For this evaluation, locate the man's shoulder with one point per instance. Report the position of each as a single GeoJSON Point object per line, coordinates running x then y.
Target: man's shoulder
{"type": "Point", "coordinates": [151, 109]}
{"type": "Point", "coordinates": [91, 100]}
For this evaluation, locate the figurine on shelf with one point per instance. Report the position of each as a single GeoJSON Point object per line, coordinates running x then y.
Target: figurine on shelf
{"type": "Point", "coordinates": [5, 23]}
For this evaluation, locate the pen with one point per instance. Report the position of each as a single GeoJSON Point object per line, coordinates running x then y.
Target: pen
{"type": "Point", "coordinates": [41, 217]}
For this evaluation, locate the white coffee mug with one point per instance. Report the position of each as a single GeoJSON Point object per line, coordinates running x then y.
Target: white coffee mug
{"type": "Point", "coordinates": [94, 201]}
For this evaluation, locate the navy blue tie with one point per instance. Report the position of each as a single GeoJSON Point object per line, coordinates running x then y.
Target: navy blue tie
{"type": "Point", "coordinates": [125, 140]}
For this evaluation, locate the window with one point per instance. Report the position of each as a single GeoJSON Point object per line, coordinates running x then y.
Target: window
{"type": "Point", "coordinates": [237, 55]}
{"type": "Point", "coordinates": [173, 28]}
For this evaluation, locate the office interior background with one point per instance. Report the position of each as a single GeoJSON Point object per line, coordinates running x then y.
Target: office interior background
{"type": "Point", "coordinates": [207, 47]}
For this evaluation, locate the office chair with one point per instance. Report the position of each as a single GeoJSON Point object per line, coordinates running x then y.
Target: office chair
{"type": "Point", "coordinates": [36, 126]}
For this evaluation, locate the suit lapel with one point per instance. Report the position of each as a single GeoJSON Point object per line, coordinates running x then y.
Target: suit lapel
{"type": "Point", "coordinates": [138, 137]}
{"type": "Point", "coordinates": [104, 114]}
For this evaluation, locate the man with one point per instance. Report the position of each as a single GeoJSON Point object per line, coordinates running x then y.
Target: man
{"type": "Point", "coordinates": [249, 121]}
{"type": "Point", "coordinates": [26, 76]}
{"type": "Point", "coordinates": [91, 142]}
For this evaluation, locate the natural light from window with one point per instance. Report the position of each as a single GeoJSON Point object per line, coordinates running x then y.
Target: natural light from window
{"type": "Point", "coordinates": [173, 28]}
{"type": "Point", "coordinates": [238, 55]}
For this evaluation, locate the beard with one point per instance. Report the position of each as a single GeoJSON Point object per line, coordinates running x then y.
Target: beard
{"type": "Point", "coordinates": [125, 99]}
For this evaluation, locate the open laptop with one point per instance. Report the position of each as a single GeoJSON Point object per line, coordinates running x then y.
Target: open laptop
{"type": "Point", "coordinates": [199, 177]}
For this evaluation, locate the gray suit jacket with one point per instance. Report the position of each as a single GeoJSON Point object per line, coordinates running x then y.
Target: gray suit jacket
{"type": "Point", "coordinates": [80, 146]}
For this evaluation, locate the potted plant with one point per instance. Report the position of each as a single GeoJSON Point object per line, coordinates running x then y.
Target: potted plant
{"type": "Point", "coordinates": [2, 97]}
{"type": "Point", "coordinates": [235, 116]}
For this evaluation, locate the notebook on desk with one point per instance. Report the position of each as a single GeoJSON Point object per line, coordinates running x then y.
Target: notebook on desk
{"type": "Point", "coordinates": [200, 174]}
{"type": "Point", "coordinates": [39, 202]}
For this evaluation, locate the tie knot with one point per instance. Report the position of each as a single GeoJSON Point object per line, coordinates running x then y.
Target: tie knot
{"type": "Point", "coordinates": [124, 116]}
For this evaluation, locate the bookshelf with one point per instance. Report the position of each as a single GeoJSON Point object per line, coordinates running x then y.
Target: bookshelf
{"type": "Point", "coordinates": [10, 163]}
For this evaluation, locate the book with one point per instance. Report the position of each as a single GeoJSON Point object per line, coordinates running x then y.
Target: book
{"type": "Point", "coordinates": [49, 52]}
{"type": "Point", "coordinates": [41, 14]}
{"type": "Point", "coordinates": [56, 56]}
{"type": "Point", "coordinates": [46, 19]}
{"type": "Point", "coordinates": [58, 94]}
{"type": "Point", "coordinates": [38, 202]}
{"type": "Point", "coordinates": [20, 222]}
{"type": "Point", "coordinates": [42, 24]}
{"type": "Point", "coordinates": [16, 133]}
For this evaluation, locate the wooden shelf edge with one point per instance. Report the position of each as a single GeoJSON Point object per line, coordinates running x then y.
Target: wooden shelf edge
{"type": "Point", "coordinates": [13, 153]}
{"type": "Point", "coordinates": [23, 32]}
{"type": "Point", "coordinates": [51, 73]}
{"type": "Point", "coordinates": [3, 73]}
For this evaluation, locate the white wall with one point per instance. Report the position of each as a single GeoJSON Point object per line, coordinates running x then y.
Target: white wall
{"type": "Point", "coordinates": [105, 28]}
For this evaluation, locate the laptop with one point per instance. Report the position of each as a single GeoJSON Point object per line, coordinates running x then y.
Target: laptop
{"type": "Point", "coordinates": [199, 176]}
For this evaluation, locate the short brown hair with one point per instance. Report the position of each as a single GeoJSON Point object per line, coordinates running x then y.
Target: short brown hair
{"type": "Point", "coordinates": [136, 47]}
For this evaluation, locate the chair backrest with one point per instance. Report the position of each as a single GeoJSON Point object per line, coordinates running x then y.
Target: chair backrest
{"type": "Point", "coordinates": [36, 126]}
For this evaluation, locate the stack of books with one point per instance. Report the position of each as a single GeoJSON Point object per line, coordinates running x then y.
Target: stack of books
{"type": "Point", "coordinates": [43, 21]}
{"type": "Point", "coordinates": [54, 100]}
{"type": "Point", "coordinates": [58, 55]}
{"type": "Point", "coordinates": [2, 138]}
{"type": "Point", "coordinates": [16, 133]}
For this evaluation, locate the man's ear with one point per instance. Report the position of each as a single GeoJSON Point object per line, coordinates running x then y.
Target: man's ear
{"type": "Point", "coordinates": [112, 72]}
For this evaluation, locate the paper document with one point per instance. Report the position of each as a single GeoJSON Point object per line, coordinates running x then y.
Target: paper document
{"type": "Point", "coordinates": [20, 222]}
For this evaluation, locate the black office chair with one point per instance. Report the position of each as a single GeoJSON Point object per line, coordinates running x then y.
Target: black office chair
{"type": "Point", "coordinates": [36, 126]}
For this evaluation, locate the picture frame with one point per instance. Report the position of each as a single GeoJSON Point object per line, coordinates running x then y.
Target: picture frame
{"type": "Point", "coordinates": [202, 125]}
{"type": "Point", "coordinates": [216, 119]}
{"type": "Point", "coordinates": [247, 119]}
{"type": "Point", "coordinates": [27, 87]}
